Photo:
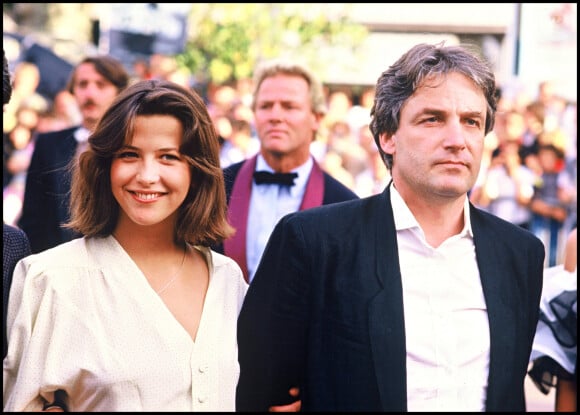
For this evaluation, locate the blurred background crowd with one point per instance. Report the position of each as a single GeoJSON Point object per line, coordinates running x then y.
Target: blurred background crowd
{"type": "Point", "coordinates": [529, 172]}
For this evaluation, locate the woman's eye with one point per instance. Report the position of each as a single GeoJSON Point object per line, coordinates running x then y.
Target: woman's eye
{"type": "Point", "coordinates": [170, 157]}
{"type": "Point", "coordinates": [127, 154]}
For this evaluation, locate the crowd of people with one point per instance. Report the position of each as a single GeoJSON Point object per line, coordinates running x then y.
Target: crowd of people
{"type": "Point", "coordinates": [294, 206]}
{"type": "Point", "coordinates": [528, 173]}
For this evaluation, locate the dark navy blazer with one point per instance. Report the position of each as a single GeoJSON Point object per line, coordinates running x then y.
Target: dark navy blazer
{"type": "Point", "coordinates": [46, 196]}
{"type": "Point", "coordinates": [15, 247]}
{"type": "Point", "coordinates": [325, 311]}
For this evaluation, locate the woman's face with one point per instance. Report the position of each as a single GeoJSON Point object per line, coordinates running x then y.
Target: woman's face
{"type": "Point", "coordinates": [150, 178]}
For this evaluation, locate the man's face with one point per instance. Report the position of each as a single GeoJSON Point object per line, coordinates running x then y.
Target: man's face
{"type": "Point", "coordinates": [284, 118]}
{"type": "Point", "coordinates": [93, 92]}
{"type": "Point", "coordinates": [438, 146]}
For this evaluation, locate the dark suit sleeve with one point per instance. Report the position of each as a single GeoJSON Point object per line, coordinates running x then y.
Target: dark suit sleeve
{"type": "Point", "coordinates": [536, 283]}
{"type": "Point", "coordinates": [510, 260]}
{"type": "Point", "coordinates": [15, 247]}
{"type": "Point", "coordinates": [272, 324]}
{"type": "Point", "coordinates": [33, 219]}
{"type": "Point", "coordinates": [46, 195]}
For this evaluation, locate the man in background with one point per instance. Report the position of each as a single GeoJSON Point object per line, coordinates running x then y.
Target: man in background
{"type": "Point", "coordinates": [283, 177]}
{"type": "Point", "coordinates": [94, 82]}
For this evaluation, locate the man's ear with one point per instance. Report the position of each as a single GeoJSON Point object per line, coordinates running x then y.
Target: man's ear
{"type": "Point", "coordinates": [387, 142]}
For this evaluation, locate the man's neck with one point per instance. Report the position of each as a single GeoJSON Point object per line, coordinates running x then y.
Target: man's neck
{"type": "Point", "coordinates": [89, 125]}
{"type": "Point", "coordinates": [284, 163]}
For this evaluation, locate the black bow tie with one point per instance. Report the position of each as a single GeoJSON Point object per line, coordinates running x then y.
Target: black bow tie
{"type": "Point", "coordinates": [285, 179]}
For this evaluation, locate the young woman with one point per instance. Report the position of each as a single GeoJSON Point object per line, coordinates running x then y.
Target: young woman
{"type": "Point", "coordinates": [139, 314]}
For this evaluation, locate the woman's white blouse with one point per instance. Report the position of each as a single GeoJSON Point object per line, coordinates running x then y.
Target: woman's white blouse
{"type": "Point", "coordinates": [83, 318]}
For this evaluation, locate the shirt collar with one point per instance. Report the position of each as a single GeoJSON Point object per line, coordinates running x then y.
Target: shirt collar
{"type": "Point", "coordinates": [82, 134]}
{"type": "Point", "coordinates": [404, 218]}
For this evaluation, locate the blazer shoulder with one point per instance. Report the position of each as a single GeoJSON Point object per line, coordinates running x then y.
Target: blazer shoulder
{"type": "Point", "coordinates": [52, 136]}
{"type": "Point", "coordinates": [14, 235]}
{"type": "Point", "coordinates": [504, 230]}
{"type": "Point", "coordinates": [234, 168]}
{"type": "Point", "coordinates": [15, 240]}
{"type": "Point", "coordinates": [350, 213]}
{"type": "Point", "coordinates": [335, 191]}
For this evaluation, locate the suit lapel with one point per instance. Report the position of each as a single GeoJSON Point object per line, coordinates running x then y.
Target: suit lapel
{"type": "Point", "coordinates": [499, 292]}
{"type": "Point", "coordinates": [314, 188]}
{"type": "Point", "coordinates": [386, 322]}
{"type": "Point", "coordinates": [238, 209]}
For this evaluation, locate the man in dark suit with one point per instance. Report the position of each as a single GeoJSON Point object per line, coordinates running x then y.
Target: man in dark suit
{"type": "Point", "coordinates": [94, 82]}
{"type": "Point", "coordinates": [409, 300]}
{"type": "Point", "coordinates": [15, 245]}
{"type": "Point", "coordinates": [283, 177]}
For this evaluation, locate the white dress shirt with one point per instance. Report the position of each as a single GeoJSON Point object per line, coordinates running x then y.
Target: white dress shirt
{"type": "Point", "coordinates": [82, 136]}
{"type": "Point", "coordinates": [268, 203]}
{"type": "Point", "coordinates": [83, 318]}
{"type": "Point", "coordinates": [446, 324]}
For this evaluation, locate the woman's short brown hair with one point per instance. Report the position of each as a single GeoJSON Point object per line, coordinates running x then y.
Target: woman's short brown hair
{"type": "Point", "coordinates": [202, 216]}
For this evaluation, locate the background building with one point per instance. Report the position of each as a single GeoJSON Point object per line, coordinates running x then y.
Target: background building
{"type": "Point", "coordinates": [527, 43]}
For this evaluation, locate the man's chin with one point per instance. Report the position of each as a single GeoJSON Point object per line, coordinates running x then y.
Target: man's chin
{"type": "Point", "coordinates": [90, 117]}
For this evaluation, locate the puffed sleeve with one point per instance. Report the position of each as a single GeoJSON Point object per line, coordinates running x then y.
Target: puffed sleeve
{"type": "Point", "coordinates": [29, 326]}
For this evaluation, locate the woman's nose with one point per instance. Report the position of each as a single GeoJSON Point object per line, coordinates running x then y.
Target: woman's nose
{"type": "Point", "coordinates": [148, 174]}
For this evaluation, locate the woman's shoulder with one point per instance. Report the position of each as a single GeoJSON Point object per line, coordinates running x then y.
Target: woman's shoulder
{"type": "Point", "coordinates": [51, 270]}
{"type": "Point", "coordinates": [224, 265]}
{"type": "Point", "coordinates": [222, 261]}
{"type": "Point", "coordinates": [66, 255]}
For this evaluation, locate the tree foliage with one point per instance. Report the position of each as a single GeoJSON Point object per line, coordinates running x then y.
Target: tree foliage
{"type": "Point", "coordinates": [227, 40]}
